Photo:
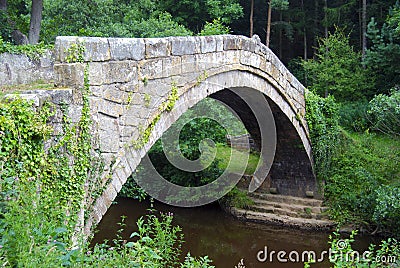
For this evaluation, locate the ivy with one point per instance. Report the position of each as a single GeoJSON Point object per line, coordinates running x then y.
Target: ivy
{"type": "Point", "coordinates": [168, 105]}
{"type": "Point", "coordinates": [31, 51]}
{"type": "Point", "coordinates": [75, 53]}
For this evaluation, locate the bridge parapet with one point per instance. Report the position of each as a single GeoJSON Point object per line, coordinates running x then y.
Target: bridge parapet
{"type": "Point", "coordinates": [138, 59]}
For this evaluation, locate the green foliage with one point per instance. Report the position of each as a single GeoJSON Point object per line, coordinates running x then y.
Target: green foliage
{"type": "Point", "coordinates": [343, 255]}
{"type": "Point", "coordinates": [322, 118]}
{"type": "Point", "coordinates": [384, 113]}
{"type": "Point", "coordinates": [226, 11]}
{"type": "Point", "coordinates": [215, 27]}
{"type": "Point", "coordinates": [353, 116]}
{"type": "Point", "coordinates": [32, 51]}
{"type": "Point", "coordinates": [387, 209]}
{"type": "Point", "coordinates": [337, 70]}
{"type": "Point", "coordinates": [383, 57]}
{"type": "Point", "coordinates": [202, 11]}
{"type": "Point", "coordinates": [280, 4]}
{"type": "Point", "coordinates": [131, 189]}
{"type": "Point", "coordinates": [192, 262]}
{"type": "Point", "coordinates": [236, 198]}
{"type": "Point", "coordinates": [75, 53]}
{"type": "Point", "coordinates": [42, 191]}
{"type": "Point", "coordinates": [192, 133]}
{"type": "Point", "coordinates": [365, 165]}
{"type": "Point", "coordinates": [22, 133]}
{"type": "Point", "coordinates": [394, 18]}
{"type": "Point", "coordinates": [6, 29]}
{"type": "Point", "coordinates": [117, 18]}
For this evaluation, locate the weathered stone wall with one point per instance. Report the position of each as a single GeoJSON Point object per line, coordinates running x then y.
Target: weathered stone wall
{"type": "Point", "coordinates": [20, 69]}
{"type": "Point", "coordinates": [132, 79]}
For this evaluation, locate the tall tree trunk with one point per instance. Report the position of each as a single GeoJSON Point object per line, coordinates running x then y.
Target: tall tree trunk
{"type": "Point", "coordinates": [251, 18]}
{"type": "Point", "coordinates": [3, 5]}
{"type": "Point", "coordinates": [304, 31]}
{"type": "Point", "coordinates": [315, 30]}
{"type": "Point", "coordinates": [326, 18]}
{"type": "Point", "coordinates": [305, 56]}
{"type": "Point", "coordinates": [280, 35]}
{"type": "Point", "coordinates": [268, 24]}
{"type": "Point", "coordinates": [364, 27]}
{"type": "Point", "coordinates": [36, 21]}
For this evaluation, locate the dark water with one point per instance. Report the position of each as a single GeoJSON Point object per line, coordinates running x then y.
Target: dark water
{"type": "Point", "coordinates": [209, 231]}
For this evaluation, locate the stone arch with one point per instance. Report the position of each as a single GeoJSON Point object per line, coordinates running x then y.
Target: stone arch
{"type": "Point", "coordinates": [290, 131]}
{"type": "Point", "coordinates": [122, 71]}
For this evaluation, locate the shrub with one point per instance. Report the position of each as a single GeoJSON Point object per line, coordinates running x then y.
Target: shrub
{"type": "Point", "coordinates": [353, 116]}
{"type": "Point", "coordinates": [322, 118]}
{"type": "Point", "coordinates": [384, 113]}
{"type": "Point", "coordinates": [387, 211]}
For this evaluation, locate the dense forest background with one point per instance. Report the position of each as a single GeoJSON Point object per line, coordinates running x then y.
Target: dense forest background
{"type": "Point", "coordinates": [296, 25]}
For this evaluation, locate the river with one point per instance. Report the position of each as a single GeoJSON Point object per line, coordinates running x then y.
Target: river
{"type": "Point", "coordinates": [209, 231]}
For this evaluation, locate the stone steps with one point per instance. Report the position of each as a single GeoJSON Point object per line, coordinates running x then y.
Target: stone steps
{"type": "Point", "coordinates": [292, 207]}
{"type": "Point", "coordinates": [306, 214]}
{"type": "Point", "coordinates": [297, 212]}
{"type": "Point", "coordinates": [284, 220]}
{"type": "Point", "coordinates": [292, 200]}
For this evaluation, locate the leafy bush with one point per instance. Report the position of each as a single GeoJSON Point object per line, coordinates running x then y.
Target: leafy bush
{"type": "Point", "coordinates": [236, 198]}
{"type": "Point", "coordinates": [387, 210]}
{"type": "Point", "coordinates": [215, 27]}
{"type": "Point", "coordinates": [384, 113]}
{"type": "Point", "coordinates": [353, 116]}
{"type": "Point", "coordinates": [343, 255]}
{"type": "Point", "coordinates": [364, 166]}
{"type": "Point", "coordinates": [32, 51]}
{"type": "Point", "coordinates": [322, 118]}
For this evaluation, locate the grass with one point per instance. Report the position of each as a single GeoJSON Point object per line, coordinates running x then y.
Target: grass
{"type": "Point", "coordinates": [224, 154]}
{"type": "Point", "coordinates": [379, 154]}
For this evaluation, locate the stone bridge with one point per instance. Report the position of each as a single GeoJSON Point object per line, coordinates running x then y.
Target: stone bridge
{"type": "Point", "coordinates": [131, 81]}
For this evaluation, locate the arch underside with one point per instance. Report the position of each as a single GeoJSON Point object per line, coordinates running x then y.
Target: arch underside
{"type": "Point", "coordinates": [291, 172]}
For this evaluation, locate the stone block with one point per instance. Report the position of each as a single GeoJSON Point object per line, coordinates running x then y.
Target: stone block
{"type": "Point", "coordinates": [209, 43]}
{"type": "Point", "coordinates": [116, 183]}
{"type": "Point", "coordinates": [61, 46]}
{"type": "Point", "coordinates": [108, 134]}
{"type": "Point", "coordinates": [96, 76]}
{"type": "Point", "coordinates": [157, 47]}
{"type": "Point", "coordinates": [119, 71]}
{"type": "Point", "coordinates": [69, 75]}
{"type": "Point", "coordinates": [249, 44]}
{"type": "Point", "coordinates": [127, 48]}
{"type": "Point", "coordinates": [183, 45]}
{"type": "Point", "coordinates": [189, 64]}
{"type": "Point", "coordinates": [101, 206]}
{"type": "Point", "coordinates": [172, 66]}
{"type": "Point", "coordinates": [110, 108]}
{"type": "Point", "coordinates": [61, 96]}
{"type": "Point", "coordinates": [74, 113]}
{"type": "Point", "coordinates": [232, 42]}
{"type": "Point", "coordinates": [114, 94]}
{"type": "Point", "coordinates": [96, 49]}
{"type": "Point", "coordinates": [110, 194]}
{"type": "Point", "coordinates": [151, 69]}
